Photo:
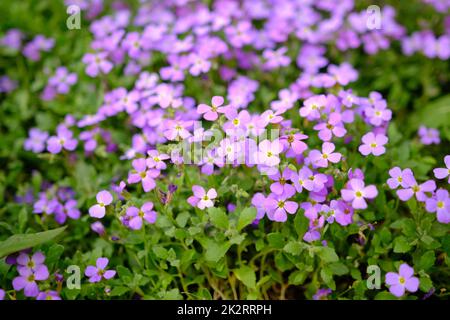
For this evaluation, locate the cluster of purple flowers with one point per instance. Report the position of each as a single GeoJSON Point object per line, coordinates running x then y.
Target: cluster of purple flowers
{"type": "Point", "coordinates": [58, 202]}
{"type": "Point", "coordinates": [31, 269]}
{"type": "Point", "coordinates": [435, 200]}
{"type": "Point", "coordinates": [59, 83]}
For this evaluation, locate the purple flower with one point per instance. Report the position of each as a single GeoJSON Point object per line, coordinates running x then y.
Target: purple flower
{"type": "Point", "coordinates": [268, 153]}
{"type": "Point", "coordinates": [321, 159]}
{"type": "Point", "coordinates": [293, 144]}
{"type": "Point", "coordinates": [321, 294]}
{"type": "Point", "coordinates": [2, 294]}
{"type": "Point", "coordinates": [281, 184]}
{"type": "Point", "coordinates": [278, 205]}
{"type": "Point", "coordinates": [137, 216]}
{"type": "Point", "coordinates": [34, 262]}
{"type": "Point", "coordinates": [276, 58]}
{"type": "Point", "coordinates": [140, 173]}
{"type": "Point", "coordinates": [413, 188]}
{"type": "Point", "coordinates": [373, 144]}
{"type": "Point", "coordinates": [378, 113]}
{"type": "Point", "coordinates": [398, 177]}
{"type": "Point", "coordinates": [442, 173]}
{"type": "Point", "coordinates": [96, 63]}
{"type": "Point", "coordinates": [358, 192]}
{"type": "Point", "coordinates": [313, 106]}
{"type": "Point", "coordinates": [429, 135]}
{"type": "Point", "coordinates": [96, 274]}
{"type": "Point", "coordinates": [36, 140]}
{"type": "Point", "coordinates": [202, 199]}
{"type": "Point", "coordinates": [439, 203]}
{"type": "Point", "coordinates": [62, 80]}
{"type": "Point", "coordinates": [104, 198]}
{"type": "Point", "coordinates": [156, 160]}
{"type": "Point", "coordinates": [404, 280]}
{"type": "Point", "coordinates": [98, 228]}
{"type": "Point", "coordinates": [210, 113]}
{"type": "Point", "coordinates": [258, 200]}
{"type": "Point", "coordinates": [48, 295]}
{"type": "Point", "coordinates": [342, 212]}
{"type": "Point", "coordinates": [333, 126]}
{"type": "Point", "coordinates": [63, 139]}
{"type": "Point", "coordinates": [27, 280]}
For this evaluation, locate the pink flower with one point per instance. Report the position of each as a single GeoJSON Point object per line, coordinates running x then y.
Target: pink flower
{"type": "Point", "coordinates": [404, 280]}
{"type": "Point", "coordinates": [269, 151]}
{"type": "Point", "coordinates": [98, 272]}
{"type": "Point", "coordinates": [202, 199]}
{"type": "Point", "coordinates": [156, 160]}
{"type": "Point", "coordinates": [104, 198]}
{"type": "Point", "coordinates": [442, 173]}
{"type": "Point", "coordinates": [140, 173]}
{"type": "Point", "coordinates": [210, 113]}
{"type": "Point", "coordinates": [136, 216]}
{"type": "Point", "coordinates": [373, 144]}
{"type": "Point", "coordinates": [320, 159]}
{"type": "Point", "coordinates": [358, 193]}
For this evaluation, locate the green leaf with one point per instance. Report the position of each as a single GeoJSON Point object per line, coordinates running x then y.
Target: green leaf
{"type": "Point", "coordinates": [218, 218]}
{"type": "Point", "coordinates": [19, 242]}
{"type": "Point", "coordinates": [327, 277]}
{"type": "Point", "coordinates": [384, 295]}
{"type": "Point", "coordinates": [426, 261]}
{"type": "Point", "coordinates": [425, 284]}
{"type": "Point", "coordinates": [434, 114]}
{"type": "Point", "coordinates": [215, 251]}
{"type": "Point", "coordinates": [22, 219]}
{"type": "Point", "coordinates": [293, 247]}
{"type": "Point", "coordinates": [327, 254]}
{"type": "Point", "coordinates": [247, 276]}
{"type": "Point", "coordinates": [54, 253]}
{"type": "Point", "coordinates": [124, 273]}
{"type": "Point", "coordinates": [276, 240]}
{"type": "Point", "coordinates": [246, 217]}
{"type": "Point", "coordinates": [118, 291]}
{"type": "Point", "coordinates": [401, 245]}
{"type": "Point", "coordinates": [338, 268]}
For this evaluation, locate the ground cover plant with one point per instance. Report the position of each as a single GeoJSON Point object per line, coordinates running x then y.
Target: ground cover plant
{"type": "Point", "coordinates": [264, 149]}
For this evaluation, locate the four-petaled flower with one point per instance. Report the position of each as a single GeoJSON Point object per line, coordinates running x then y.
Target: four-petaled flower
{"type": "Point", "coordinates": [442, 173]}
{"type": "Point", "coordinates": [98, 272]}
{"type": "Point", "coordinates": [358, 192]}
{"type": "Point", "coordinates": [210, 113]}
{"type": "Point", "coordinates": [136, 216]}
{"type": "Point", "coordinates": [202, 199]}
{"type": "Point", "coordinates": [320, 159]}
{"type": "Point", "coordinates": [401, 281]}
{"type": "Point", "coordinates": [373, 144]}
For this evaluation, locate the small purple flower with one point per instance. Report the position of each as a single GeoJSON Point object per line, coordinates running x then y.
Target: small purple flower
{"type": "Point", "coordinates": [278, 205]}
{"type": "Point", "coordinates": [96, 63]}
{"type": "Point", "coordinates": [210, 113]}
{"type": "Point", "coordinates": [333, 127]}
{"type": "Point", "coordinates": [2, 294]}
{"type": "Point", "coordinates": [413, 188]}
{"type": "Point", "coordinates": [358, 192]}
{"type": "Point", "coordinates": [36, 140]}
{"type": "Point", "coordinates": [27, 280]}
{"type": "Point", "coordinates": [442, 173]}
{"type": "Point", "coordinates": [48, 295]}
{"type": "Point", "coordinates": [269, 152]}
{"type": "Point", "coordinates": [63, 139]}
{"type": "Point", "coordinates": [137, 216]}
{"type": "Point", "coordinates": [96, 273]}
{"type": "Point", "coordinates": [104, 198]}
{"type": "Point", "coordinates": [141, 173]}
{"type": "Point", "coordinates": [321, 159]}
{"type": "Point", "coordinates": [34, 262]}
{"type": "Point", "coordinates": [321, 294]}
{"type": "Point", "coordinates": [293, 144]}
{"type": "Point", "coordinates": [398, 177]}
{"type": "Point", "coordinates": [62, 80]}
{"type": "Point", "coordinates": [202, 199]}
{"type": "Point", "coordinates": [343, 213]}
{"type": "Point", "coordinates": [429, 135]}
{"type": "Point", "coordinates": [439, 203]}
{"type": "Point", "coordinates": [373, 144]}
{"type": "Point", "coordinates": [404, 280]}
{"type": "Point", "coordinates": [281, 184]}
{"type": "Point", "coordinates": [98, 228]}
{"type": "Point", "coordinates": [156, 160]}
{"type": "Point", "coordinates": [378, 113]}
{"type": "Point", "coordinates": [258, 202]}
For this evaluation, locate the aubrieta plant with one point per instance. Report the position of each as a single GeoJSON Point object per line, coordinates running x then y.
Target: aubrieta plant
{"type": "Point", "coordinates": [227, 149]}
